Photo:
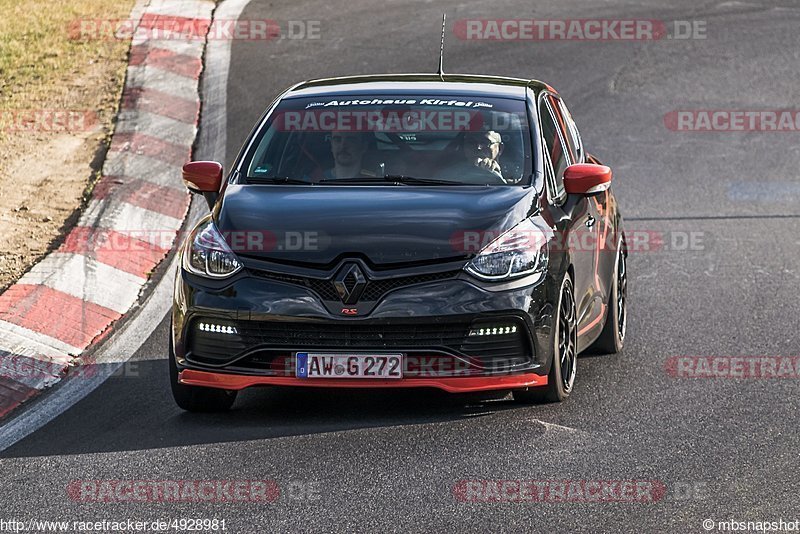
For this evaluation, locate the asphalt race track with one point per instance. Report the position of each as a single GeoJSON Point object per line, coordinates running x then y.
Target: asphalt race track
{"type": "Point", "coordinates": [723, 283]}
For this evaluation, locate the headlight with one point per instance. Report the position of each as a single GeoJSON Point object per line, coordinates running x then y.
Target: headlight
{"type": "Point", "coordinates": [519, 252]}
{"type": "Point", "coordinates": [208, 255]}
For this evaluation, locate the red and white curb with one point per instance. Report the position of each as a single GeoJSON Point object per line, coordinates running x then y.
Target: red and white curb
{"type": "Point", "coordinates": [69, 300]}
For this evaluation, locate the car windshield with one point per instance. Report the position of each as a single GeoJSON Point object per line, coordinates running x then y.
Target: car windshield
{"type": "Point", "coordinates": [380, 139]}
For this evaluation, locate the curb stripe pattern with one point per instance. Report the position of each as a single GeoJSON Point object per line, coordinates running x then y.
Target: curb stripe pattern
{"type": "Point", "coordinates": [142, 167]}
{"type": "Point", "coordinates": [160, 103]}
{"type": "Point", "coordinates": [22, 340]}
{"type": "Point", "coordinates": [145, 76]}
{"type": "Point", "coordinates": [68, 301]}
{"type": "Point", "coordinates": [155, 126]}
{"type": "Point", "coordinates": [119, 250]}
{"type": "Point", "coordinates": [56, 314]}
{"type": "Point", "coordinates": [150, 146]}
{"type": "Point", "coordinates": [165, 200]}
{"type": "Point", "coordinates": [166, 59]}
{"type": "Point", "coordinates": [126, 218]}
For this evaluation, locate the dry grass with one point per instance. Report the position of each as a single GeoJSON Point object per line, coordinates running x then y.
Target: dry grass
{"type": "Point", "coordinates": [44, 174]}
{"type": "Point", "coordinates": [42, 65]}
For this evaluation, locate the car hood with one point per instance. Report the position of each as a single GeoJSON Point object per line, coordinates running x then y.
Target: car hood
{"type": "Point", "coordinates": [382, 224]}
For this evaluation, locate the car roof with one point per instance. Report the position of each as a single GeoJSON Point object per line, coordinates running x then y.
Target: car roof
{"type": "Point", "coordinates": [418, 84]}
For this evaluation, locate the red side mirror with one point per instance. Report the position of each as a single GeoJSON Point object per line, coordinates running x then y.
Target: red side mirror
{"type": "Point", "coordinates": [587, 178]}
{"type": "Point", "coordinates": [203, 176]}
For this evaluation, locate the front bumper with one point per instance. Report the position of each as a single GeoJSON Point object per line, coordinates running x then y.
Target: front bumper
{"type": "Point", "coordinates": [192, 377]}
{"type": "Point", "coordinates": [266, 320]}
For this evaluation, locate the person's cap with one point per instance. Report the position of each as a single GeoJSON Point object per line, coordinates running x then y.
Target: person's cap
{"type": "Point", "coordinates": [493, 136]}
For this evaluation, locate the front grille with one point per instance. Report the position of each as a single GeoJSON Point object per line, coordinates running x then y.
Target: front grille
{"type": "Point", "coordinates": [375, 289]}
{"type": "Point", "coordinates": [495, 351]}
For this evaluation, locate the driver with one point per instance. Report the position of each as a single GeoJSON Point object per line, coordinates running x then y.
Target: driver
{"type": "Point", "coordinates": [479, 164]}
{"type": "Point", "coordinates": [482, 149]}
{"type": "Point", "coordinates": [348, 150]}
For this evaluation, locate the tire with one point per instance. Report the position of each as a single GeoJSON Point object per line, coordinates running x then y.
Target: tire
{"type": "Point", "coordinates": [612, 337]}
{"type": "Point", "coordinates": [195, 398]}
{"type": "Point", "coordinates": [561, 378]}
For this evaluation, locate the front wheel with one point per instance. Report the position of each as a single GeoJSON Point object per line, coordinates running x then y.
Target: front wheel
{"type": "Point", "coordinates": [195, 398]}
{"type": "Point", "coordinates": [561, 378]}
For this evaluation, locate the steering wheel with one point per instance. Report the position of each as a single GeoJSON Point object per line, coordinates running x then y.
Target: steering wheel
{"type": "Point", "coordinates": [480, 174]}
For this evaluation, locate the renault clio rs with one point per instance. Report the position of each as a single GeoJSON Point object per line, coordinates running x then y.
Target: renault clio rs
{"type": "Point", "coordinates": [440, 231]}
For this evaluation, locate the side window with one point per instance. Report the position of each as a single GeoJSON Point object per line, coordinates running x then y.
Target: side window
{"type": "Point", "coordinates": [554, 146]}
{"type": "Point", "coordinates": [569, 144]}
{"type": "Point", "coordinates": [572, 132]}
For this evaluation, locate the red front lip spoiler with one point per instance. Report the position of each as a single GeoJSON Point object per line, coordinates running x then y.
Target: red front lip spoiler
{"type": "Point", "coordinates": [190, 377]}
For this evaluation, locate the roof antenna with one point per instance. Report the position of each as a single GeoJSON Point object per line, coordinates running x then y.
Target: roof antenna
{"type": "Point", "coordinates": [441, 49]}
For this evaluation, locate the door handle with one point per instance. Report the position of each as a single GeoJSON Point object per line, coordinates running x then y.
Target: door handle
{"type": "Point", "coordinates": [590, 221]}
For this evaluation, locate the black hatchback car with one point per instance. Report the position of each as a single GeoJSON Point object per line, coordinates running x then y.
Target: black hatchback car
{"type": "Point", "coordinates": [401, 231]}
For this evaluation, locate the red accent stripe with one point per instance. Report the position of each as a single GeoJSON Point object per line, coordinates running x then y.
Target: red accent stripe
{"type": "Point", "coordinates": [55, 314]}
{"type": "Point", "coordinates": [12, 394]}
{"type": "Point", "coordinates": [180, 64]}
{"type": "Point", "coordinates": [451, 385]}
{"type": "Point", "coordinates": [151, 147]}
{"type": "Point", "coordinates": [161, 103]}
{"type": "Point", "coordinates": [594, 321]}
{"type": "Point", "coordinates": [169, 201]}
{"type": "Point", "coordinates": [117, 249]}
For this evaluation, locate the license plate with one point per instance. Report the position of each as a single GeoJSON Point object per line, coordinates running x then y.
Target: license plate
{"type": "Point", "coordinates": [326, 365]}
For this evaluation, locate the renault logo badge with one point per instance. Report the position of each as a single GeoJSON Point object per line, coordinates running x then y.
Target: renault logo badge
{"type": "Point", "coordinates": [350, 283]}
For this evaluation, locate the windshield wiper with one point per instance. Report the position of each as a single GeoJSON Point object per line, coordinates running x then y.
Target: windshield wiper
{"type": "Point", "coordinates": [403, 179]}
{"type": "Point", "coordinates": [278, 180]}
{"type": "Point", "coordinates": [389, 178]}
